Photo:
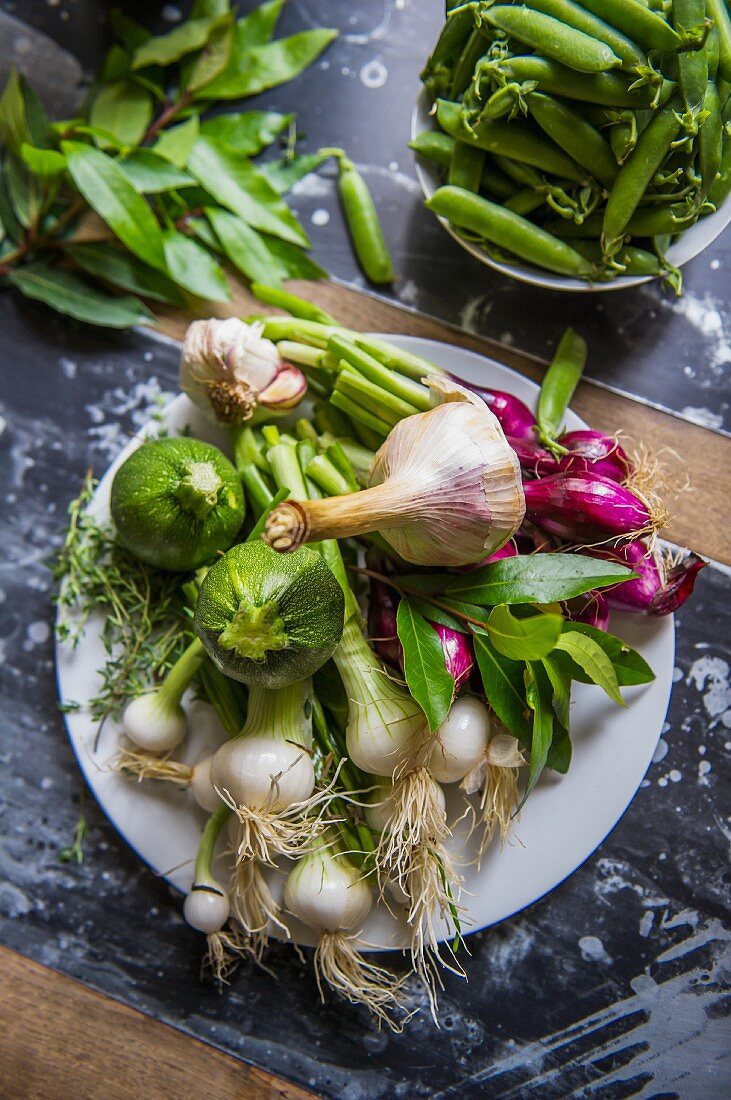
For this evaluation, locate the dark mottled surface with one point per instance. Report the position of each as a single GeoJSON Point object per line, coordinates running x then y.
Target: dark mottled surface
{"type": "Point", "coordinates": [671, 352]}
{"type": "Point", "coordinates": [611, 987]}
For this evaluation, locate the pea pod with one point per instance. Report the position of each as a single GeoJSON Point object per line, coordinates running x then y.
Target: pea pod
{"type": "Point", "coordinates": [623, 138]}
{"type": "Point", "coordinates": [692, 64]}
{"type": "Point", "coordinates": [710, 140]}
{"type": "Point", "coordinates": [639, 23]}
{"type": "Point", "coordinates": [465, 168]}
{"type": "Point", "coordinates": [632, 260]}
{"type": "Point", "coordinates": [474, 48]}
{"type": "Point", "coordinates": [558, 386]}
{"type": "Point", "coordinates": [508, 231]}
{"type": "Point", "coordinates": [362, 220]}
{"type": "Point", "coordinates": [438, 71]}
{"type": "Point", "coordinates": [652, 221]}
{"type": "Point", "coordinates": [573, 15]}
{"type": "Point", "coordinates": [497, 182]}
{"type": "Point", "coordinates": [551, 37]}
{"type": "Point", "coordinates": [525, 201]}
{"type": "Point", "coordinates": [510, 139]}
{"type": "Point", "coordinates": [635, 175]}
{"type": "Point", "coordinates": [435, 146]}
{"type": "Point", "coordinates": [719, 13]}
{"type": "Point", "coordinates": [575, 136]}
{"type": "Point", "coordinates": [604, 89]}
{"type": "Point", "coordinates": [720, 190]}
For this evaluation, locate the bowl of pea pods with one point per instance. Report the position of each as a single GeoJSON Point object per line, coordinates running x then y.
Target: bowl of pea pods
{"type": "Point", "coordinates": [579, 145]}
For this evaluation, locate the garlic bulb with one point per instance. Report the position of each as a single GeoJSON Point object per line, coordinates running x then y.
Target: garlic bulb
{"type": "Point", "coordinates": [229, 370]}
{"type": "Point", "coordinates": [444, 489]}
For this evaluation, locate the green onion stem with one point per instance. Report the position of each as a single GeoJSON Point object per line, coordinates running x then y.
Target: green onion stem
{"type": "Point", "coordinates": [247, 448]}
{"type": "Point", "coordinates": [380, 427]}
{"type": "Point", "coordinates": [405, 362]}
{"type": "Point", "coordinates": [211, 833]}
{"type": "Point", "coordinates": [386, 378]}
{"type": "Point", "coordinates": [256, 486]}
{"type": "Point", "coordinates": [302, 354]}
{"type": "Point", "coordinates": [181, 674]}
{"type": "Point", "coordinates": [301, 331]}
{"type": "Point", "coordinates": [327, 477]}
{"type": "Point", "coordinates": [227, 697]}
{"type": "Point", "coordinates": [329, 419]}
{"type": "Point", "coordinates": [296, 306]}
{"type": "Point", "coordinates": [258, 528]}
{"type": "Point", "coordinates": [384, 404]}
{"type": "Point", "coordinates": [338, 456]}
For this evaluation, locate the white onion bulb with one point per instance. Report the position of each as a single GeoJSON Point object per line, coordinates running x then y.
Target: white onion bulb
{"type": "Point", "coordinates": [461, 740]}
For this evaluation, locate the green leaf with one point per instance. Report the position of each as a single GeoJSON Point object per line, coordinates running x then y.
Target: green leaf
{"type": "Point", "coordinates": [437, 615]}
{"type": "Point", "coordinates": [203, 9]}
{"type": "Point", "coordinates": [283, 174]}
{"type": "Point", "coordinates": [193, 268]}
{"type": "Point", "coordinates": [69, 294]}
{"type": "Point", "coordinates": [181, 40]}
{"type": "Point", "coordinates": [523, 639]}
{"type": "Point", "coordinates": [262, 67]}
{"type": "Point", "coordinates": [537, 578]}
{"type": "Point", "coordinates": [504, 686]}
{"type": "Point", "coordinates": [14, 128]}
{"type": "Point", "coordinates": [293, 262]}
{"type": "Point", "coordinates": [116, 65]}
{"type": "Point", "coordinates": [176, 143]}
{"type": "Point", "coordinates": [590, 657]}
{"type": "Point", "coordinates": [23, 191]}
{"type": "Point", "coordinates": [122, 109]}
{"type": "Point", "coordinates": [247, 132]}
{"type": "Point", "coordinates": [236, 184]}
{"type": "Point", "coordinates": [538, 696]}
{"type": "Point", "coordinates": [630, 667]}
{"type": "Point", "coordinates": [108, 191]}
{"type": "Point", "coordinates": [131, 34]}
{"type": "Point", "coordinates": [8, 217]}
{"type": "Point", "coordinates": [258, 26]}
{"type": "Point", "coordinates": [425, 671]}
{"type": "Point", "coordinates": [117, 266]}
{"type": "Point", "coordinates": [213, 60]}
{"type": "Point", "coordinates": [431, 584]}
{"type": "Point", "coordinates": [149, 173]}
{"type": "Point", "coordinates": [560, 680]}
{"type": "Point", "coordinates": [202, 230]}
{"type": "Point", "coordinates": [35, 114]}
{"type": "Point", "coordinates": [559, 754]}
{"type": "Point", "coordinates": [245, 248]}
{"type": "Point", "coordinates": [42, 162]}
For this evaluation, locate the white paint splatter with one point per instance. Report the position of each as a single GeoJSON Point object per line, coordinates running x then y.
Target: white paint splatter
{"type": "Point", "coordinates": [320, 217]}
{"type": "Point", "coordinates": [710, 675]}
{"type": "Point", "coordinates": [38, 632]}
{"type": "Point", "coordinates": [171, 13]}
{"type": "Point", "coordinates": [374, 74]}
{"type": "Point", "coordinates": [592, 950]}
{"type": "Point", "coordinates": [646, 922]}
{"type": "Point", "coordinates": [68, 367]}
{"type": "Point", "coordinates": [706, 314]}
{"type": "Point", "coordinates": [675, 776]}
{"type": "Point", "coordinates": [704, 767]}
{"type": "Point", "coordinates": [661, 751]}
{"type": "Point", "coordinates": [704, 417]}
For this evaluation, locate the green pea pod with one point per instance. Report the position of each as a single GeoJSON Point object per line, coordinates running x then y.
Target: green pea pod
{"type": "Point", "coordinates": [639, 23]}
{"type": "Point", "coordinates": [623, 138]}
{"type": "Point", "coordinates": [558, 386]}
{"type": "Point", "coordinates": [720, 190]}
{"type": "Point", "coordinates": [437, 73]}
{"type": "Point", "coordinates": [434, 146]}
{"type": "Point", "coordinates": [604, 89]}
{"type": "Point", "coordinates": [710, 140]}
{"type": "Point", "coordinates": [575, 136]}
{"type": "Point", "coordinates": [508, 231]}
{"type": "Point", "coordinates": [497, 183]}
{"type": "Point", "coordinates": [552, 38]}
{"type": "Point", "coordinates": [525, 201]}
{"type": "Point", "coordinates": [362, 221]}
{"type": "Point", "coordinates": [511, 139]}
{"type": "Point", "coordinates": [719, 13]}
{"type": "Point", "coordinates": [692, 64]}
{"type": "Point", "coordinates": [633, 261]}
{"type": "Point", "coordinates": [652, 221]}
{"type": "Point", "coordinates": [474, 48]}
{"type": "Point", "coordinates": [635, 175]}
{"type": "Point", "coordinates": [465, 169]}
{"type": "Point", "coordinates": [573, 15]}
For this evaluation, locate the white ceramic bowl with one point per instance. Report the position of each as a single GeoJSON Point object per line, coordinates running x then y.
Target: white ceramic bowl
{"type": "Point", "coordinates": [689, 245]}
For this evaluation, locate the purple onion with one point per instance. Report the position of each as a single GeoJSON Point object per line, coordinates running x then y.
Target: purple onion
{"type": "Point", "coordinates": [596, 453]}
{"type": "Point", "coordinates": [516, 419]}
{"type": "Point", "coordinates": [591, 608]}
{"type": "Point", "coordinates": [509, 550]}
{"type": "Point", "coordinates": [653, 591]}
{"type": "Point", "coordinates": [585, 507]}
{"type": "Point", "coordinates": [533, 457]}
{"type": "Point", "coordinates": [458, 654]}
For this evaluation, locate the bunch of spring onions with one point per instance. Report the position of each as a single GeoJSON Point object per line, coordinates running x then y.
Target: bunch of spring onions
{"type": "Point", "coordinates": [491, 540]}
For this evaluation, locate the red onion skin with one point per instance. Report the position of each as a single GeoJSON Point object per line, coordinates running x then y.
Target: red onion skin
{"type": "Point", "coordinates": [533, 458]}
{"type": "Point", "coordinates": [509, 550]}
{"type": "Point", "coordinates": [653, 591]}
{"type": "Point", "coordinates": [592, 609]}
{"type": "Point", "coordinates": [595, 453]}
{"type": "Point", "coordinates": [516, 419]}
{"type": "Point", "coordinates": [584, 507]}
{"type": "Point", "coordinates": [458, 653]}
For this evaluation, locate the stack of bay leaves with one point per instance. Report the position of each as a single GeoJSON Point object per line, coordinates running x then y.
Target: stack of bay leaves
{"type": "Point", "coordinates": [147, 193]}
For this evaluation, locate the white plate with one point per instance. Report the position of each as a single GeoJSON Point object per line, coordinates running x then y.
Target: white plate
{"type": "Point", "coordinates": [688, 245]}
{"type": "Point", "coordinates": [564, 819]}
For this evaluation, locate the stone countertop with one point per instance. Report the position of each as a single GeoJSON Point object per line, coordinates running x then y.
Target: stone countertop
{"type": "Point", "coordinates": [611, 986]}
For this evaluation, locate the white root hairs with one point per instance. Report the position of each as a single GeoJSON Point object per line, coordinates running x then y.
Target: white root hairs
{"type": "Point", "coordinates": [498, 802]}
{"type": "Point", "coordinates": [412, 853]}
{"type": "Point", "coordinates": [254, 907]}
{"type": "Point", "coordinates": [224, 951]}
{"type": "Point", "coordinates": [266, 834]}
{"type": "Point", "coordinates": [339, 964]}
{"type": "Point", "coordinates": [138, 764]}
